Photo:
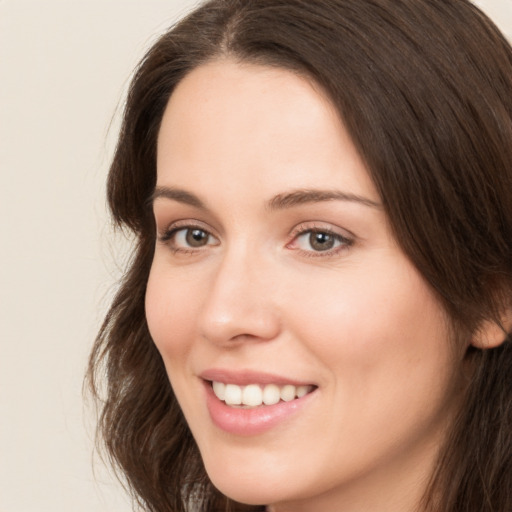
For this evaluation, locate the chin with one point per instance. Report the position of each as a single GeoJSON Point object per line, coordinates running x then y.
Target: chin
{"type": "Point", "coordinates": [248, 493]}
{"type": "Point", "coordinates": [247, 488]}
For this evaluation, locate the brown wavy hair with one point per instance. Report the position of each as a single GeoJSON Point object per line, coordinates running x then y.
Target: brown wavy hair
{"type": "Point", "coordinates": [424, 87]}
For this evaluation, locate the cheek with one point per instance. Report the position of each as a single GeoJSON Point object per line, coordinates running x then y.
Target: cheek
{"type": "Point", "coordinates": [381, 321]}
{"type": "Point", "coordinates": [383, 341]}
{"type": "Point", "coordinates": [170, 312]}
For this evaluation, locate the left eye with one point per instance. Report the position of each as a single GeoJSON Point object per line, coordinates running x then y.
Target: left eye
{"type": "Point", "coordinates": [319, 241]}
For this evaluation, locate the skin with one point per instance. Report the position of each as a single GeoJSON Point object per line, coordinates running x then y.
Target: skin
{"type": "Point", "coordinates": [358, 321]}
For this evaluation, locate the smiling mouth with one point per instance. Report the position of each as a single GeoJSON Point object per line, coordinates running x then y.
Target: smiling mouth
{"type": "Point", "coordinates": [256, 395]}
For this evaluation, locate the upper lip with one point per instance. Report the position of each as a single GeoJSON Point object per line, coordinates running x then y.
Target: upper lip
{"type": "Point", "coordinates": [246, 377]}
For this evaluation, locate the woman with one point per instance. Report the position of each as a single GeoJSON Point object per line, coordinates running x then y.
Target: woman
{"type": "Point", "coordinates": [317, 315]}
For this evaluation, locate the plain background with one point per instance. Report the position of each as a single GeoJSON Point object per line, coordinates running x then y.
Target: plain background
{"type": "Point", "coordinates": [64, 68]}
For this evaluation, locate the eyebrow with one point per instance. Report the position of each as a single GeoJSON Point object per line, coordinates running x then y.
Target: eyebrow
{"type": "Point", "coordinates": [278, 202]}
{"type": "Point", "coordinates": [304, 196]}
{"type": "Point", "coordinates": [177, 194]}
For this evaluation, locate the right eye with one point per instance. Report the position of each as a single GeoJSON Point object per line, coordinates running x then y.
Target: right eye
{"type": "Point", "coordinates": [188, 238]}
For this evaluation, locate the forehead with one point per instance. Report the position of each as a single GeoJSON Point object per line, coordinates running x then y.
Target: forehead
{"type": "Point", "coordinates": [228, 121]}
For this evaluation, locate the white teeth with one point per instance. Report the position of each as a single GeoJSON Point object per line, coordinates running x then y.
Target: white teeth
{"type": "Point", "coordinates": [252, 395]}
{"type": "Point", "coordinates": [271, 394]}
{"type": "Point", "coordinates": [302, 391]}
{"type": "Point", "coordinates": [255, 395]}
{"type": "Point", "coordinates": [288, 393]}
{"type": "Point", "coordinates": [219, 388]}
{"type": "Point", "coordinates": [233, 394]}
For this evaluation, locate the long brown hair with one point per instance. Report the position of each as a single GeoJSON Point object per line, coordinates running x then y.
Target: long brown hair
{"type": "Point", "coordinates": [424, 88]}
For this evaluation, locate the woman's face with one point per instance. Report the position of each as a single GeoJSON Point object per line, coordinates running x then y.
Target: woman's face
{"type": "Point", "coordinates": [276, 279]}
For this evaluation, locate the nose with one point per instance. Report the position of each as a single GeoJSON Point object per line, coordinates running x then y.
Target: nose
{"type": "Point", "coordinates": [241, 304]}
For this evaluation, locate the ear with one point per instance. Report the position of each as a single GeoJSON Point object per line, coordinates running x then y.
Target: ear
{"type": "Point", "coordinates": [492, 334]}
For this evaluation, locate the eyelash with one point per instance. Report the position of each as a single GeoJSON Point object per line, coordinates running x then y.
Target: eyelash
{"type": "Point", "coordinates": [168, 237]}
{"type": "Point", "coordinates": [307, 230]}
{"type": "Point", "coordinates": [344, 242]}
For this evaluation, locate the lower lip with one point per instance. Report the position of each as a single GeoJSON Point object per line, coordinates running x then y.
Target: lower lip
{"type": "Point", "coordinates": [254, 421]}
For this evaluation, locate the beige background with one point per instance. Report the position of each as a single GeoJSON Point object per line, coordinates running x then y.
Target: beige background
{"type": "Point", "coordinates": [64, 66]}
